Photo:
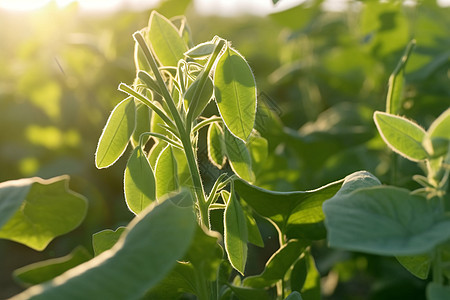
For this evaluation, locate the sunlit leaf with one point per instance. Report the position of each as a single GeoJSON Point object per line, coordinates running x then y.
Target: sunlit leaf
{"type": "Point", "coordinates": [106, 239]}
{"type": "Point", "coordinates": [201, 50]}
{"type": "Point", "coordinates": [235, 92]}
{"type": "Point", "coordinates": [297, 214]}
{"type": "Point", "coordinates": [165, 40]}
{"type": "Point", "coordinates": [166, 173]}
{"type": "Point", "coordinates": [236, 234]}
{"type": "Point", "coordinates": [238, 156]}
{"type": "Point", "coordinates": [418, 265]}
{"type": "Point", "coordinates": [116, 134]}
{"type": "Point", "coordinates": [215, 140]}
{"type": "Point", "coordinates": [168, 230]}
{"type": "Point", "coordinates": [438, 135]}
{"type": "Point", "coordinates": [198, 95]}
{"type": "Point", "coordinates": [143, 114]}
{"type": "Point", "coordinates": [34, 211]}
{"type": "Point", "coordinates": [139, 181]}
{"type": "Point", "coordinates": [401, 135]}
{"type": "Point", "coordinates": [48, 269]}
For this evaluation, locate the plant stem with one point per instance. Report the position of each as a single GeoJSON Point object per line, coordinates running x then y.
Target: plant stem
{"type": "Point", "coordinates": [184, 134]}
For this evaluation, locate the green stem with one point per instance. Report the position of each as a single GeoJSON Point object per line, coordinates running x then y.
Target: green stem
{"type": "Point", "coordinates": [206, 122]}
{"type": "Point", "coordinates": [184, 134]}
{"type": "Point", "coordinates": [437, 267]}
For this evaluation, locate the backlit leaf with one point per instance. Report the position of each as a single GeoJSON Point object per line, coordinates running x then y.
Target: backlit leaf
{"type": "Point", "coordinates": [139, 182]}
{"type": "Point", "coordinates": [165, 40]}
{"type": "Point", "coordinates": [235, 92]}
{"type": "Point", "coordinates": [143, 114]}
{"type": "Point", "coordinates": [201, 50]}
{"type": "Point", "coordinates": [401, 135]}
{"type": "Point", "coordinates": [418, 265]}
{"type": "Point", "coordinates": [106, 239]}
{"type": "Point", "coordinates": [116, 134]}
{"type": "Point", "coordinates": [215, 142]}
{"type": "Point", "coordinates": [236, 234]}
{"type": "Point", "coordinates": [198, 95]}
{"type": "Point", "coordinates": [238, 156]}
{"type": "Point", "coordinates": [166, 173]}
{"type": "Point", "coordinates": [34, 211]}
{"type": "Point", "coordinates": [128, 270]}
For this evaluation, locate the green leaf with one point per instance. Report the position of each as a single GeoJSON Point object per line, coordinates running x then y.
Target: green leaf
{"type": "Point", "coordinates": [311, 287]}
{"type": "Point", "coordinates": [198, 95]}
{"type": "Point", "coordinates": [436, 291]}
{"type": "Point", "coordinates": [254, 235]}
{"type": "Point", "coordinates": [155, 151]}
{"type": "Point", "coordinates": [166, 172]}
{"type": "Point", "coordinates": [215, 140]}
{"type": "Point", "coordinates": [418, 265]}
{"type": "Point", "coordinates": [438, 135]}
{"type": "Point", "coordinates": [236, 234]}
{"type": "Point", "coordinates": [116, 134]}
{"type": "Point", "coordinates": [294, 296]}
{"type": "Point", "coordinates": [106, 239]}
{"type": "Point", "coordinates": [238, 156]}
{"type": "Point", "coordinates": [401, 135]}
{"type": "Point", "coordinates": [184, 175]}
{"type": "Point", "coordinates": [139, 182]}
{"type": "Point", "coordinates": [165, 40]}
{"type": "Point", "coordinates": [46, 270]}
{"type": "Point", "coordinates": [201, 51]}
{"type": "Point", "coordinates": [297, 214]}
{"type": "Point", "coordinates": [277, 266]}
{"type": "Point", "coordinates": [34, 211]}
{"type": "Point", "coordinates": [134, 264]}
{"type": "Point", "coordinates": [244, 293]}
{"type": "Point", "coordinates": [143, 114]}
{"type": "Point", "coordinates": [384, 220]}
{"type": "Point", "coordinates": [140, 61]}
{"type": "Point", "coordinates": [235, 91]}
{"type": "Point", "coordinates": [258, 148]}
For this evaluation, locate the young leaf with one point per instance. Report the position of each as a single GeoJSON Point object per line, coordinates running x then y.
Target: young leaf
{"type": "Point", "coordinates": [166, 172]}
{"type": "Point", "coordinates": [238, 156]}
{"type": "Point", "coordinates": [384, 220]}
{"type": "Point", "coordinates": [401, 135]}
{"type": "Point", "coordinates": [277, 266]}
{"type": "Point", "coordinates": [297, 214]}
{"type": "Point", "coordinates": [235, 92]}
{"type": "Point", "coordinates": [198, 95]}
{"type": "Point", "coordinates": [46, 270]}
{"type": "Point", "coordinates": [143, 114]}
{"type": "Point", "coordinates": [168, 230]}
{"type": "Point", "coordinates": [116, 134]}
{"type": "Point", "coordinates": [34, 211]}
{"type": "Point", "coordinates": [215, 141]}
{"type": "Point", "coordinates": [438, 135]}
{"type": "Point", "coordinates": [165, 40]}
{"type": "Point", "coordinates": [106, 239]}
{"type": "Point", "coordinates": [139, 181]}
{"type": "Point", "coordinates": [201, 51]}
{"type": "Point", "coordinates": [236, 235]}
{"type": "Point", "coordinates": [418, 265]}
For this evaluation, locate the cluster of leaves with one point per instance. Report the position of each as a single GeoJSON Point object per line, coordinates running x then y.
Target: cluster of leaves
{"type": "Point", "coordinates": [199, 237]}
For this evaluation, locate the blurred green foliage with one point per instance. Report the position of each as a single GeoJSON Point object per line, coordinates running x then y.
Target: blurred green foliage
{"type": "Point", "coordinates": [320, 76]}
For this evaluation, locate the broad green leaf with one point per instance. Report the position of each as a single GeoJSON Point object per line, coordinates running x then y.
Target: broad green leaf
{"type": "Point", "coordinates": [418, 265]}
{"type": "Point", "coordinates": [401, 135]}
{"type": "Point", "coordinates": [384, 220]}
{"type": "Point", "coordinates": [198, 266]}
{"type": "Point", "coordinates": [184, 175]}
{"type": "Point", "coordinates": [116, 134]}
{"type": "Point", "coordinates": [244, 293]}
{"type": "Point", "coordinates": [236, 234]}
{"type": "Point", "coordinates": [215, 140]}
{"type": "Point", "coordinates": [198, 95]}
{"type": "Point", "coordinates": [165, 40]}
{"type": "Point", "coordinates": [143, 114]}
{"type": "Point", "coordinates": [201, 51]}
{"type": "Point", "coordinates": [238, 156]}
{"type": "Point", "coordinates": [294, 296]}
{"type": "Point", "coordinates": [277, 266]}
{"type": "Point", "coordinates": [436, 291]}
{"type": "Point", "coordinates": [139, 182]}
{"type": "Point", "coordinates": [134, 264]}
{"type": "Point", "coordinates": [438, 135]}
{"type": "Point", "coordinates": [254, 235]}
{"type": "Point", "coordinates": [106, 239]}
{"type": "Point", "coordinates": [235, 92]}
{"type": "Point", "coordinates": [155, 151]}
{"type": "Point", "coordinates": [297, 214]}
{"type": "Point", "coordinates": [34, 211]}
{"type": "Point", "coordinates": [46, 270]}
{"type": "Point", "coordinates": [166, 172]}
